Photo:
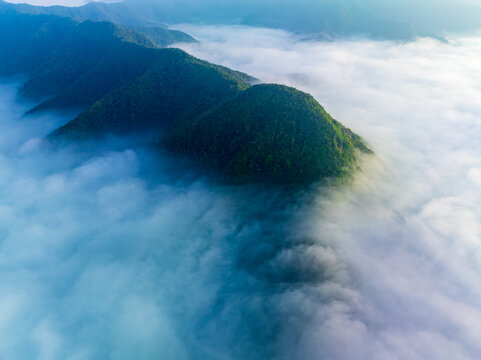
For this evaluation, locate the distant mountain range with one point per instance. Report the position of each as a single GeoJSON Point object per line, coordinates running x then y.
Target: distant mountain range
{"type": "Point", "coordinates": [117, 13]}
{"type": "Point", "coordinates": [330, 19]}
{"type": "Point", "coordinates": [209, 114]}
{"type": "Point", "coordinates": [325, 19]}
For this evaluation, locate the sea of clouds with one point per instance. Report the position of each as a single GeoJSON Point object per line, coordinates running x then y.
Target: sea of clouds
{"type": "Point", "coordinates": [409, 230]}
{"type": "Point", "coordinates": [108, 251]}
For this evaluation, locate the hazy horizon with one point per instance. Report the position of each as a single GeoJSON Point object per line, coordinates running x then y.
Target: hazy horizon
{"type": "Point", "coordinates": [322, 19]}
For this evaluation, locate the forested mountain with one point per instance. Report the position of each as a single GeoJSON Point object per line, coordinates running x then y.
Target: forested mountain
{"type": "Point", "coordinates": [320, 18]}
{"type": "Point", "coordinates": [116, 13]}
{"type": "Point", "coordinates": [380, 19]}
{"type": "Point", "coordinates": [269, 132]}
{"type": "Point", "coordinates": [209, 113]}
{"type": "Point", "coordinates": [328, 19]}
{"type": "Point", "coordinates": [161, 36]}
{"type": "Point", "coordinates": [76, 62]}
{"type": "Point", "coordinates": [176, 89]}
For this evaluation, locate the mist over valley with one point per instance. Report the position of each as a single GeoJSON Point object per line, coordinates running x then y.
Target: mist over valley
{"type": "Point", "coordinates": [227, 191]}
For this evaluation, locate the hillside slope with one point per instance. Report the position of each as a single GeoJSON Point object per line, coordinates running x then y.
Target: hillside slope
{"type": "Point", "coordinates": [208, 113]}
{"type": "Point", "coordinates": [270, 132]}
{"type": "Point", "coordinates": [176, 89]}
{"type": "Point", "coordinates": [76, 63]}
{"type": "Point", "coordinates": [116, 13]}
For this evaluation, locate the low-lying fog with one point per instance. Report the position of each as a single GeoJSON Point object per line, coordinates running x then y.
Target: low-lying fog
{"type": "Point", "coordinates": [409, 231]}
{"type": "Point", "coordinates": [102, 257]}
{"type": "Point", "coordinates": [105, 255]}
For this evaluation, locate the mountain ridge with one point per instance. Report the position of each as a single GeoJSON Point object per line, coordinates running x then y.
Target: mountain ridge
{"type": "Point", "coordinates": [115, 13]}
{"type": "Point", "coordinates": [263, 125]}
{"type": "Point", "coordinates": [127, 86]}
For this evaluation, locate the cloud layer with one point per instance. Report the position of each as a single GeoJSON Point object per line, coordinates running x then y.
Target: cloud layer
{"type": "Point", "coordinates": [113, 254]}
{"type": "Point", "coordinates": [409, 230]}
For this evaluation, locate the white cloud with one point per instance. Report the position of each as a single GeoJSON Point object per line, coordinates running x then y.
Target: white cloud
{"type": "Point", "coordinates": [102, 257]}
{"type": "Point", "coordinates": [409, 228]}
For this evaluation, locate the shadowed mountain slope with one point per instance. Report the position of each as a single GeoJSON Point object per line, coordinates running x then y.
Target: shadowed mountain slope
{"type": "Point", "coordinates": [116, 13]}
{"type": "Point", "coordinates": [208, 113]}
{"type": "Point", "coordinates": [270, 132]}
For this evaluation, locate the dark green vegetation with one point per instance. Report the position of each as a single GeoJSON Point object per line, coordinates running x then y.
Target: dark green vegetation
{"type": "Point", "coordinates": [176, 89]}
{"type": "Point", "coordinates": [116, 13]}
{"type": "Point", "coordinates": [75, 63]}
{"type": "Point", "coordinates": [208, 113]}
{"type": "Point", "coordinates": [72, 63]}
{"type": "Point", "coordinates": [162, 36]}
{"type": "Point", "coordinates": [270, 132]}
